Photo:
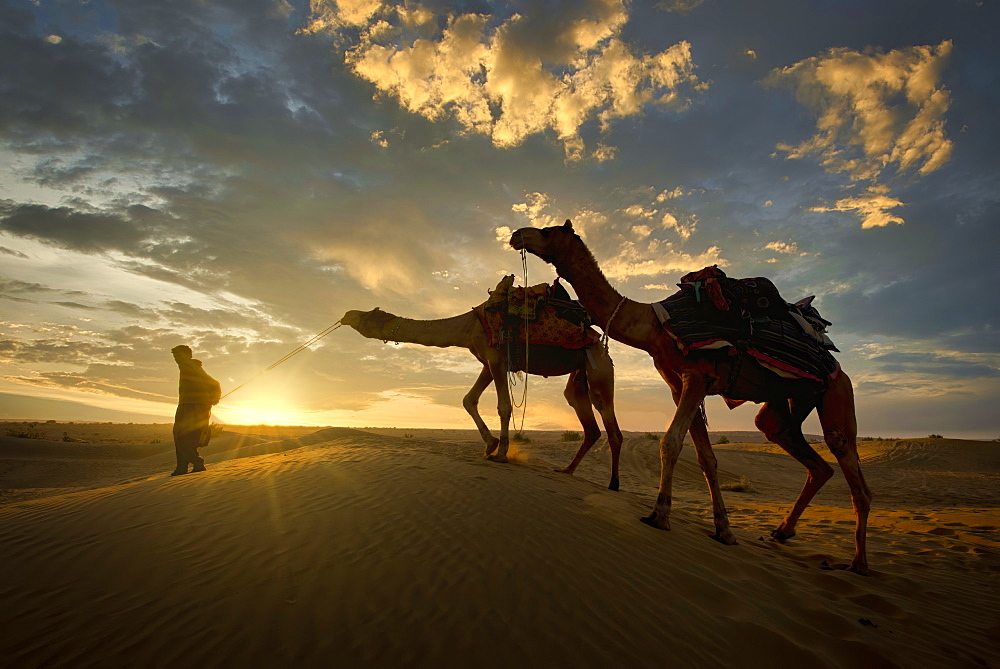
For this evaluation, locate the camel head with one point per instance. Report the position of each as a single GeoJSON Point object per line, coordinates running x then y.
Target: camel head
{"type": "Point", "coordinates": [368, 323]}
{"type": "Point", "coordinates": [546, 243]}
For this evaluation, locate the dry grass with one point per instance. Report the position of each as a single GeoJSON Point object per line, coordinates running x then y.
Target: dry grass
{"type": "Point", "coordinates": [743, 485]}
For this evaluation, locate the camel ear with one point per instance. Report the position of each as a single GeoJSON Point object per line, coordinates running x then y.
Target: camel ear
{"type": "Point", "coordinates": [568, 224]}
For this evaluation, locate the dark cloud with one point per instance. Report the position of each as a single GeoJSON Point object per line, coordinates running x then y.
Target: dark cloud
{"type": "Point", "coordinates": [76, 305]}
{"type": "Point", "coordinates": [12, 252]}
{"type": "Point", "coordinates": [80, 231]}
{"type": "Point", "coordinates": [934, 365]}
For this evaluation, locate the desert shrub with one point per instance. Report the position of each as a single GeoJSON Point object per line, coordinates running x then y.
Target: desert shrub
{"type": "Point", "coordinates": [722, 440]}
{"type": "Point", "coordinates": [934, 436]}
{"type": "Point", "coordinates": [743, 485]}
{"type": "Point", "coordinates": [570, 436]}
{"type": "Point", "coordinates": [651, 435]}
{"type": "Point", "coordinates": [521, 437]}
{"type": "Point", "coordinates": [407, 435]}
{"type": "Point", "coordinates": [26, 431]}
{"type": "Point", "coordinates": [216, 429]}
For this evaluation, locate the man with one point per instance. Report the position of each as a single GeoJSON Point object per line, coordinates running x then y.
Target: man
{"type": "Point", "coordinates": [198, 393]}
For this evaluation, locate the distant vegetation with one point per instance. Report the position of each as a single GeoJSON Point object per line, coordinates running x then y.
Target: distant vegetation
{"type": "Point", "coordinates": [651, 435]}
{"type": "Point", "coordinates": [934, 436]}
{"type": "Point", "coordinates": [217, 429]}
{"type": "Point", "coordinates": [743, 485]}
{"type": "Point", "coordinates": [521, 437]}
{"type": "Point", "coordinates": [570, 436]}
{"type": "Point", "coordinates": [878, 438]}
{"type": "Point", "coordinates": [722, 440]}
{"type": "Point", "coordinates": [25, 431]}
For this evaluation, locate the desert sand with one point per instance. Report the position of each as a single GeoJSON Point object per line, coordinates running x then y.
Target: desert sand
{"type": "Point", "coordinates": [405, 548]}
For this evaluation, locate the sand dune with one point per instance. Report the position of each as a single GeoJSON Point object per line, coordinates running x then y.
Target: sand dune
{"type": "Point", "coordinates": [355, 548]}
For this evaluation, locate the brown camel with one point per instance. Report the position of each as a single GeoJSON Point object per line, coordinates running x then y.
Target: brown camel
{"type": "Point", "coordinates": [691, 377]}
{"type": "Point", "coordinates": [591, 375]}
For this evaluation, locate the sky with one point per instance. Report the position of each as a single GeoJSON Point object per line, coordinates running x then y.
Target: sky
{"type": "Point", "coordinates": [236, 174]}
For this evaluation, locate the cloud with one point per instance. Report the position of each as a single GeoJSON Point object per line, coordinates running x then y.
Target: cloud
{"type": "Point", "coordinates": [872, 207]}
{"type": "Point", "coordinates": [878, 115]}
{"type": "Point", "coordinates": [550, 69]}
{"type": "Point", "coordinates": [657, 258]}
{"type": "Point", "coordinates": [679, 6]}
{"type": "Point", "coordinates": [683, 228]}
{"type": "Point", "coordinates": [74, 229]}
{"type": "Point", "coordinates": [875, 109]}
{"type": "Point", "coordinates": [782, 247]}
{"type": "Point", "coordinates": [11, 252]}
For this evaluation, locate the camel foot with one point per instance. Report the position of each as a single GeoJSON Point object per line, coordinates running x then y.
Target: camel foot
{"type": "Point", "coordinates": [659, 523]}
{"type": "Point", "coordinates": [781, 537]}
{"type": "Point", "coordinates": [613, 485]}
{"type": "Point", "coordinates": [497, 458]}
{"type": "Point", "coordinates": [492, 446]}
{"type": "Point", "coordinates": [725, 537]}
{"type": "Point", "coordinates": [859, 568]}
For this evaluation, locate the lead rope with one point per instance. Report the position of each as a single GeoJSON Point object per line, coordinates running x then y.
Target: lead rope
{"type": "Point", "coordinates": [511, 375]}
{"type": "Point", "coordinates": [285, 358]}
{"type": "Point", "coordinates": [607, 330]}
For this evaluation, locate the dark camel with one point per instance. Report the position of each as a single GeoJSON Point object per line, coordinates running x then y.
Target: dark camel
{"type": "Point", "coordinates": [590, 381]}
{"type": "Point", "coordinates": [691, 377]}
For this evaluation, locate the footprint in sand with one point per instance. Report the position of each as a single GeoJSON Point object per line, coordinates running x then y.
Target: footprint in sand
{"type": "Point", "coordinates": [943, 531]}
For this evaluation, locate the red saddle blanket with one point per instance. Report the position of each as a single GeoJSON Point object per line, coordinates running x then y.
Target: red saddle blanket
{"type": "Point", "coordinates": [532, 314]}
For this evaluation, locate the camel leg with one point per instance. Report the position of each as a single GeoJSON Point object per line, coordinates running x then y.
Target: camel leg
{"type": "Point", "coordinates": [601, 382]}
{"type": "Point", "coordinates": [707, 460]}
{"type": "Point", "coordinates": [471, 404]}
{"type": "Point", "coordinates": [693, 391]}
{"type": "Point", "coordinates": [840, 430]}
{"type": "Point", "coordinates": [576, 396]}
{"type": "Point", "coordinates": [710, 467]}
{"type": "Point", "coordinates": [783, 426]}
{"type": "Point", "coordinates": [498, 368]}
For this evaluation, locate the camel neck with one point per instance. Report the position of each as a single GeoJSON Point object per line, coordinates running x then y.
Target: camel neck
{"type": "Point", "coordinates": [443, 332]}
{"type": "Point", "coordinates": [631, 322]}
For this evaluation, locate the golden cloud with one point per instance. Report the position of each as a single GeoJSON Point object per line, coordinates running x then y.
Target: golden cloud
{"type": "Point", "coordinates": [874, 110]}
{"type": "Point", "coordinates": [525, 76]}
{"type": "Point", "coordinates": [655, 257]}
{"type": "Point", "coordinates": [782, 247]}
{"type": "Point", "coordinates": [877, 113]}
{"type": "Point", "coordinates": [873, 208]}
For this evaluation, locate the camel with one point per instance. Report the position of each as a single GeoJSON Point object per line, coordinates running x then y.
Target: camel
{"type": "Point", "coordinates": [590, 369]}
{"type": "Point", "coordinates": [786, 402]}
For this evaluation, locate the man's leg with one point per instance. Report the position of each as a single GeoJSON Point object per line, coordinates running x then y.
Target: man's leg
{"type": "Point", "coordinates": [180, 420]}
{"type": "Point", "coordinates": [191, 430]}
{"type": "Point", "coordinates": [204, 434]}
{"type": "Point", "coordinates": [199, 463]}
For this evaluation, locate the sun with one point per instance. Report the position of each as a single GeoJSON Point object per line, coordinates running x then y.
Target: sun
{"type": "Point", "coordinates": [268, 413]}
